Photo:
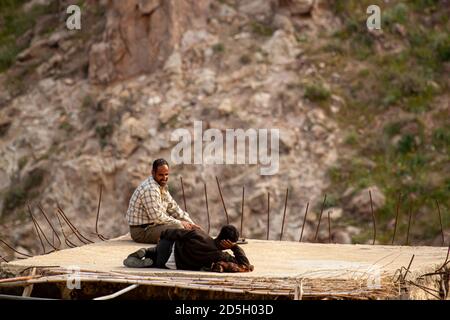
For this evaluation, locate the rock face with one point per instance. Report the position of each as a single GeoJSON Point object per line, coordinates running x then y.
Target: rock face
{"type": "Point", "coordinates": [140, 35]}
{"type": "Point", "coordinates": [163, 65]}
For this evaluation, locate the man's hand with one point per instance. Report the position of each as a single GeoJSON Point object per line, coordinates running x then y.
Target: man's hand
{"type": "Point", "coordinates": [190, 226]}
{"type": "Point", "coordinates": [186, 225]}
{"type": "Point", "coordinates": [227, 244]}
{"type": "Point", "coordinates": [196, 226]}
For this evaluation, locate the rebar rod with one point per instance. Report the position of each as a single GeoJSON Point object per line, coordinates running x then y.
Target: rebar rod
{"type": "Point", "coordinates": [10, 247]}
{"type": "Point", "coordinates": [373, 219]}
{"type": "Point", "coordinates": [69, 243]}
{"type": "Point", "coordinates": [36, 228]}
{"type": "Point", "coordinates": [284, 213]}
{"type": "Point", "coordinates": [440, 222]}
{"type": "Point", "coordinates": [242, 210]}
{"type": "Point", "coordinates": [396, 217]}
{"type": "Point", "coordinates": [100, 236]}
{"type": "Point", "coordinates": [304, 221]}
{"type": "Point", "coordinates": [207, 207]}
{"type": "Point", "coordinates": [72, 225]}
{"type": "Point", "coordinates": [223, 202]}
{"type": "Point", "coordinates": [55, 233]}
{"type": "Point", "coordinates": [409, 222]}
{"type": "Point", "coordinates": [184, 197]}
{"type": "Point", "coordinates": [329, 227]}
{"type": "Point", "coordinates": [320, 218]}
{"type": "Point", "coordinates": [407, 269]}
{"type": "Point", "coordinates": [268, 215]}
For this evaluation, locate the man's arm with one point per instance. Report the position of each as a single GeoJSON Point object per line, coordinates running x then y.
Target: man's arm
{"type": "Point", "coordinates": [238, 252]}
{"type": "Point", "coordinates": [223, 266]}
{"type": "Point", "coordinates": [240, 256]}
{"type": "Point", "coordinates": [155, 209]}
{"type": "Point", "coordinates": [174, 210]}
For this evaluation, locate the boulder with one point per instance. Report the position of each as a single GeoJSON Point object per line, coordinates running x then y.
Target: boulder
{"type": "Point", "coordinates": [49, 66]}
{"type": "Point", "coordinates": [148, 6]}
{"type": "Point", "coordinates": [298, 7]}
{"type": "Point", "coordinates": [258, 202]}
{"type": "Point", "coordinates": [282, 48]}
{"type": "Point", "coordinates": [341, 237]}
{"type": "Point", "coordinates": [205, 81]}
{"type": "Point", "coordinates": [4, 180]}
{"type": "Point", "coordinates": [261, 100]}
{"type": "Point", "coordinates": [225, 106]}
{"type": "Point", "coordinates": [36, 50]}
{"type": "Point", "coordinates": [168, 112]}
{"type": "Point", "coordinates": [360, 203]}
{"type": "Point", "coordinates": [5, 124]}
{"type": "Point", "coordinates": [101, 67]}
{"type": "Point", "coordinates": [283, 22]}
{"type": "Point", "coordinates": [30, 4]}
{"type": "Point", "coordinates": [154, 100]}
{"type": "Point", "coordinates": [174, 64]}
{"type": "Point", "coordinates": [260, 10]}
{"type": "Point", "coordinates": [226, 13]}
{"type": "Point", "coordinates": [91, 168]}
{"type": "Point", "coordinates": [197, 38]}
{"type": "Point", "coordinates": [58, 37]}
{"type": "Point", "coordinates": [335, 213]}
{"type": "Point", "coordinates": [351, 230]}
{"type": "Point", "coordinates": [288, 140]}
{"type": "Point", "coordinates": [45, 23]}
{"type": "Point", "coordinates": [130, 133]}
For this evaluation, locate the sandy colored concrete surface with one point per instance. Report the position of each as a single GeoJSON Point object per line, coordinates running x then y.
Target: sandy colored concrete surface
{"type": "Point", "coordinates": [274, 259]}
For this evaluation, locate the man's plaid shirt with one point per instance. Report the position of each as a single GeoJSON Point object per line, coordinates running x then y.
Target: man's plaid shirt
{"type": "Point", "coordinates": [152, 204]}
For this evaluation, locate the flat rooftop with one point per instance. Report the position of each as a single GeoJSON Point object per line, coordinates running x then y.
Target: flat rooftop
{"type": "Point", "coordinates": [282, 268]}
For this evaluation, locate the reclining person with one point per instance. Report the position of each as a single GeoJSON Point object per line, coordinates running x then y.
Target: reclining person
{"type": "Point", "coordinates": [193, 250]}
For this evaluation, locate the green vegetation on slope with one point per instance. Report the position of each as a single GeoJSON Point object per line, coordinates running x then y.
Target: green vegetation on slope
{"type": "Point", "coordinates": [13, 24]}
{"type": "Point", "coordinates": [395, 116]}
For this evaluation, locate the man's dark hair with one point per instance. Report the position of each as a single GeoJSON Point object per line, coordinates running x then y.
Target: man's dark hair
{"type": "Point", "coordinates": [158, 163]}
{"type": "Point", "coordinates": [228, 232]}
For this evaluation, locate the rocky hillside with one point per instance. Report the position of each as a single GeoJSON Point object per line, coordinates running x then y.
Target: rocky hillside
{"type": "Point", "coordinates": [357, 111]}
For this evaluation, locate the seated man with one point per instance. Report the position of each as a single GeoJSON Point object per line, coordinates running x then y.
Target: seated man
{"type": "Point", "coordinates": [152, 208]}
{"type": "Point", "coordinates": [193, 250]}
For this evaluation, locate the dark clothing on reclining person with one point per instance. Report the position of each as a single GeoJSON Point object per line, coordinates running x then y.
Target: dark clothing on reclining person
{"type": "Point", "coordinates": [195, 249]}
{"type": "Point", "coordinates": [159, 255]}
{"type": "Point", "coordinates": [163, 251]}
